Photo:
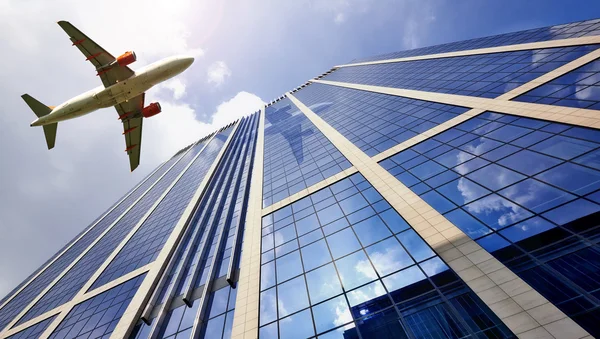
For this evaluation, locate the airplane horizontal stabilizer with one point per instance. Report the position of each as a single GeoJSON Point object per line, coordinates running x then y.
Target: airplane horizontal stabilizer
{"type": "Point", "coordinates": [50, 134]}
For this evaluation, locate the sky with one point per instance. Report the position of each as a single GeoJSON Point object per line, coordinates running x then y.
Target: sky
{"type": "Point", "coordinates": [247, 53]}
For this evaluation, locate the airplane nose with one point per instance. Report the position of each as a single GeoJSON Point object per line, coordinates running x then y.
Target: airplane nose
{"type": "Point", "coordinates": [187, 61]}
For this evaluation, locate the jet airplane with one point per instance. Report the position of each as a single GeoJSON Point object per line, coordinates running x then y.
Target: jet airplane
{"type": "Point", "coordinates": [123, 88]}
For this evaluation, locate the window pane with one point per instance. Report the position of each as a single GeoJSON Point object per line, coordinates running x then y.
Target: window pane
{"type": "Point", "coordinates": [315, 255]}
{"type": "Point", "coordinates": [388, 256]}
{"type": "Point", "coordinates": [342, 243]}
{"type": "Point", "coordinates": [355, 270]}
{"type": "Point", "coordinates": [528, 162]}
{"type": "Point", "coordinates": [323, 283]}
{"type": "Point", "coordinates": [297, 326]}
{"type": "Point", "coordinates": [331, 314]}
{"type": "Point", "coordinates": [371, 230]}
{"type": "Point", "coordinates": [292, 296]}
{"type": "Point", "coordinates": [573, 178]}
{"type": "Point", "coordinates": [415, 245]}
{"type": "Point", "coordinates": [288, 266]}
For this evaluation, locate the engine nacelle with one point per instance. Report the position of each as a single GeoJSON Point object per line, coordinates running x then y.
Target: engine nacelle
{"type": "Point", "coordinates": [126, 59]}
{"type": "Point", "coordinates": [151, 110]}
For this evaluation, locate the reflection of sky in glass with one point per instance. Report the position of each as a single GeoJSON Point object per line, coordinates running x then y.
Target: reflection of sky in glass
{"type": "Point", "coordinates": [578, 88]}
{"type": "Point", "coordinates": [297, 155]}
{"type": "Point", "coordinates": [523, 193]}
{"type": "Point", "coordinates": [482, 75]}
{"type": "Point", "coordinates": [535, 148]}
{"type": "Point", "coordinates": [354, 254]}
{"type": "Point", "coordinates": [374, 122]}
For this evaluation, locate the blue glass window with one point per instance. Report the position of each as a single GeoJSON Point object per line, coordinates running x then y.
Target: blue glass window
{"type": "Point", "coordinates": [297, 155]}
{"type": "Point", "coordinates": [374, 122]}
{"type": "Point", "coordinates": [99, 315]}
{"type": "Point", "coordinates": [482, 75]}
{"type": "Point", "coordinates": [535, 203]}
{"type": "Point", "coordinates": [376, 261]}
{"type": "Point", "coordinates": [578, 88]}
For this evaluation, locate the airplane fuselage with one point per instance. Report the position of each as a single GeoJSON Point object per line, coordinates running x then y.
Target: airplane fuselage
{"type": "Point", "coordinates": [102, 97]}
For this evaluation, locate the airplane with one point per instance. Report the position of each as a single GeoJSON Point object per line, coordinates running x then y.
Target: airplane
{"type": "Point", "coordinates": [123, 88]}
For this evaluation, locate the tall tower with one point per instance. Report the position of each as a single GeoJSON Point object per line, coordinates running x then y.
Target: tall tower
{"type": "Point", "coordinates": [451, 191]}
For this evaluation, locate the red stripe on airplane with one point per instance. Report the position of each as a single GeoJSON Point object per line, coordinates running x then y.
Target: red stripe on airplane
{"type": "Point", "coordinates": [130, 148]}
{"type": "Point", "coordinates": [129, 130]}
{"type": "Point", "coordinates": [92, 56]}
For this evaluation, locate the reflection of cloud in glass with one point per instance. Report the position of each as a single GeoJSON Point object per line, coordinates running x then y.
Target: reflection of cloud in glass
{"type": "Point", "coordinates": [268, 310]}
{"type": "Point", "coordinates": [433, 266]}
{"type": "Point", "coordinates": [366, 293]}
{"type": "Point", "coordinates": [509, 212]}
{"type": "Point", "coordinates": [464, 188]}
{"type": "Point", "coordinates": [461, 159]}
{"type": "Point", "coordinates": [364, 268]}
{"type": "Point", "coordinates": [342, 315]}
{"type": "Point", "coordinates": [388, 256]}
{"type": "Point", "coordinates": [589, 93]}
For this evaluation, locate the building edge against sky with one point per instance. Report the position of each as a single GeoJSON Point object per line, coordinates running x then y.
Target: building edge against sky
{"type": "Point", "coordinates": [447, 191]}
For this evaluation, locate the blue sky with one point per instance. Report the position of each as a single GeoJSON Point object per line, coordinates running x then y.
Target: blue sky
{"type": "Point", "coordinates": [247, 52]}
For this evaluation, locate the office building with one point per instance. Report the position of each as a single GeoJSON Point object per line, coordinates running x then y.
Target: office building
{"type": "Point", "coordinates": [450, 191]}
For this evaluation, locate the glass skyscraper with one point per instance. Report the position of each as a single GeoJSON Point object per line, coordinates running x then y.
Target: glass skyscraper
{"type": "Point", "coordinates": [450, 191]}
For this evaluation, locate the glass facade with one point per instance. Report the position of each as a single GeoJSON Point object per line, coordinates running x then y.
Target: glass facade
{"type": "Point", "coordinates": [483, 75]}
{"type": "Point", "coordinates": [341, 262]}
{"type": "Point", "coordinates": [297, 154]}
{"type": "Point", "coordinates": [78, 275]}
{"type": "Point", "coordinates": [158, 226]}
{"type": "Point", "coordinates": [578, 88]}
{"type": "Point", "coordinates": [374, 122]}
{"type": "Point", "coordinates": [208, 255]}
{"type": "Point", "coordinates": [202, 262]}
{"type": "Point", "coordinates": [98, 316]}
{"type": "Point", "coordinates": [33, 331]}
{"type": "Point", "coordinates": [20, 301]}
{"type": "Point", "coordinates": [520, 187]}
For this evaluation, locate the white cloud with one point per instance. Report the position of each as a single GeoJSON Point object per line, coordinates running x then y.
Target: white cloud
{"type": "Point", "coordinates": [243, 103]}
{"type": "Point", "coordinates": [175, 85]}
{"type": "Point", "coordinates": [339, 18]}
{"type": "Point", "coordinates": [177, 127]}
{"type": "Point", "coordinates": [217, 72]}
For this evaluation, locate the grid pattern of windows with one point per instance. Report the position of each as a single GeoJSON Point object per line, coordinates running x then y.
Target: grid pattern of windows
{"type": "Point", "coordinates": [180, 320]}
{"type": "Point", "coordinates": [78, 275]}
{"type": "Point", "coordinates": [374, 122]}
{"type": "Point", "coordinates": [297, 155]}
{"type": "Point", "coordinates": [483, 75]}
{"type": "Point", "coordinates": [97, 317]}
{"type": "Point", "coordinates": [221, 209]}
{"type": "Point", "coordinates": [147, 242]}
{"type": "Point", "coordinates": [578, 88]}
{"type": "Point", "coordinates": [519, 186]}
{"type": "Point", "coordinates": [342, 261]}
{"type": "Point", "coordinates": [565, 31]}
{"type": "Point", "coordinates": [33, 331]}
{"type": "Point", "coordinates": [15, 306]}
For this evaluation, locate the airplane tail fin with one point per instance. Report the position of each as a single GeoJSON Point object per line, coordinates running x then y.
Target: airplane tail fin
{"type": "Point", "coordinates": [37, 107]}
{"type": "Point", "coordinates": [40, 110]}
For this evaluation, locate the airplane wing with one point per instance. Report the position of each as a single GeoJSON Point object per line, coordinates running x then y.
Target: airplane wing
{"type": "Point", "coordinates": [97, 56]}
{"type": "Point", "coordinates": [132, 127]}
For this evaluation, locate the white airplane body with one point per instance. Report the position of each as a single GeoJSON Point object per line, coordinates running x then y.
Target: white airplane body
{"type": "Point", "coordinates": [123, 88]}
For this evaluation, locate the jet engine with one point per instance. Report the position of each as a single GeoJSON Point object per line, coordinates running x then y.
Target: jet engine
{"type": "Point", "coordinates": [151, 110]}
{"type": "Point", "coordinates": [126, 59]}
